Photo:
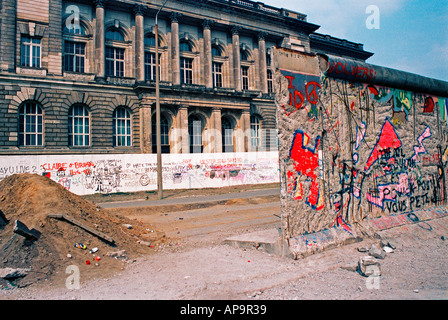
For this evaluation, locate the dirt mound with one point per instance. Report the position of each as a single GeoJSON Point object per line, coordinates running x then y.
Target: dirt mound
{"type": "Point", "coordinates": [30, 199]}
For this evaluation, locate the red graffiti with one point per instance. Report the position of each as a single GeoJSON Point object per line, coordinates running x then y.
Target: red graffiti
{"type": "Point", "coordinates": [388, 140]}
{"type": "Point", "coordinates": [312, 95]}
{"type": "Point", "coordinates": [306, 161]}
{"type": "Point", "coordinates": [429, 105]}
{"type": "Point", "coordinates": [302, 88]}
{"type": "Point", "coordinates": [355, 71]}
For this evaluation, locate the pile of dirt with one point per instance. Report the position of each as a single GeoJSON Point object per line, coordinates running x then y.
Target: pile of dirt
{"type": "Point", "coordinates": [30, 199]}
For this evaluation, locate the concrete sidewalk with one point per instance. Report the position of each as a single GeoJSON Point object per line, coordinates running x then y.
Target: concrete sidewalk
{"type": "Point", "coordinates": [193, 199]}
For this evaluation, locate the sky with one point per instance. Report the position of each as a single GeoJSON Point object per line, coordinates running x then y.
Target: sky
{"type": "Point", "coordinates": [408, 35]}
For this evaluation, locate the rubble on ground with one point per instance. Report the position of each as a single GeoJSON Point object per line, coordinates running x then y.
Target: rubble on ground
{"type": "Point", "coordinates": [41, 223]}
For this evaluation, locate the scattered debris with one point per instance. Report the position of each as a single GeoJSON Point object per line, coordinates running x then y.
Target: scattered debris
{"type": "Point", "coordinates": [82, 226]}
{"type": "Point", "coordinates": [353, 266]}
{"type": "Point", "coordinates": [80, 245]}
{"type": "Point", "coordinates": [21, 229]}
{"type": "Point", "coordinates": [388, 243]}
{"type": "Point", "coordinates": [93, 250]}
{"type": "Point", "coordinates": [368, 266]}
{"type": "Point", "coordinates": [363, 249]}
{"type": "Point", "coordinates": [376, 252]}
{"type": "Point", "coordinates": [37, 202]}
{"type": "Point", "coordinates": [145, 243]}
{"type": "Point", "coordinates": [388, 249]}
{"type": "Point", "coordinates": [11, 273]}
{"type": "Point", "coordinates": [117, 254]}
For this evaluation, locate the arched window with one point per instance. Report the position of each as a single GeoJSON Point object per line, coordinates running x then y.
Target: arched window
{"type": "Point", "coordinates": [114, 35]}
{"type": "Point", "coordinates": [78, 126]}
{"type": "Point", "coordinates": [30, 125]}
{"type": "Point", "coordinates": [216, 51]}
{"type": "Point", "coordinates": [150, 40]}
{"type": "Point", "coordinates": [227, 135]}
{"type": "Point", "coordinates": [75, 28]}
{"type": "Point", "coordinates": [185, 46]}
{"type": "Point", "coordinates": [164, 134]}
{"type": "Point", "coordinates": [244, 55]}
{"type": "Point", "coordinates": [255, 132]}
{"type": "Point", "coordinates": [122, 127]}
{"type": "Point", "coordinates": [195, 131]}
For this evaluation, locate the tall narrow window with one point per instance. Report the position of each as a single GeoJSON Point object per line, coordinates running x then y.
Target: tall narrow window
{"type": "Point", "coordinates": [114, 62]}
{"type": "Point", "coordinates": [122, 127]}
{"type": "Point", "coordinates": [164, 134]}
{"type": "Point", "coordinates": [255, 139]}
{"type": "Point", "coordinates": [270, 81]}
{"type": "Point", "coordinates": [186, 70]}
{"type": "Point", "coordinates": [217, 74]}
{"type": "Point", "coordinates": [30, 125]}
{"type": "Point", "coordinates": [78, 126]}
{"type": "Point", "coordinates": [227, 135]}
{"type": "Point", "coordinates": [74, 56]}
{"type": "Point", "coordinates": [150, 66]}
{"type": "Point", "coordinates": [195, 132]}
{"type": "Point", "coordinates": [245, 77]}
{"type": "Point", "coordinates": [30, 52]}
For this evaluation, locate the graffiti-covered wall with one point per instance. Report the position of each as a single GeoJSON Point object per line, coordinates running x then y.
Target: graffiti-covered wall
{"type": "Point", "coordinates": [88, 174]}
{"type": "Point", "coordinates": [352, 148]}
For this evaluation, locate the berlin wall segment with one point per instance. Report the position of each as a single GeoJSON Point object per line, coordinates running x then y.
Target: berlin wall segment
{"type": "Point", "coordinates": [352, 149]}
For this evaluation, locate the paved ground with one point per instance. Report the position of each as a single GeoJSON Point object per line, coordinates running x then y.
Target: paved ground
{"type": "Point", "coordinates": [196, 265]}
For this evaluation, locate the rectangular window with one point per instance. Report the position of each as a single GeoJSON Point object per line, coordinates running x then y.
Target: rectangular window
{"type": "Point", "coordinates": [150, 66]}
{"type": "Point", "coordinates": [79, 126]}
{"type": "Point", "coordinates": [30, 125]}
{"type": "Point", "coordinates": [122, 127]}
{"type": "Point", "coordinates": [30, 55]}
{"type": "Point", "coordinates": [186, 70]}
{"type": "Point", "coordinates": [114, 62]}
{"type": "Point", "coordinates": [74, 56]}
{"type": "Point", "coordinates": [217, 75]}
{"type": "Point", "coordinates": [245, 78]}
{"type": "Point", "coordinates": [270, 81]}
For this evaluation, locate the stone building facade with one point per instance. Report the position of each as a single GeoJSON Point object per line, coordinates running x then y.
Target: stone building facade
{"type": "Point", "coordinates": [78, 76]}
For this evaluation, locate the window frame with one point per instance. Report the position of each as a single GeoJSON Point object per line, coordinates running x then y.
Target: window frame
{"type": "Point", "coordinates": [85, 122]}
{"type": "Point", "coordinates": [112, 63]}
{"type": "Point", "coordinates": [118, 120]}
{"type": "Point", "coordinates": [165, 127]}
{"type": "Point", "coordinates": [27, 56]}
{"type": "Point", "coordinates": [227, 129]}
{"type": "Point", "coordinates": [217, 74]}
{"type": "Point", "coordinates": [255, 127]}
{"type": "Point", "coordinates": [74, 55]}
{"type": "Point", "coordinates": [245, 77]}
{"type": "Point", "coordinates": [27, 120]}
{"type": "Point", "coordinates": [186, 70]}
{"type": "Point", "coordinates": [195, 137]}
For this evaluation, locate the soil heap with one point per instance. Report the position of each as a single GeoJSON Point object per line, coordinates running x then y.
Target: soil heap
{"type": "Point", "coordinates": [30, 198]}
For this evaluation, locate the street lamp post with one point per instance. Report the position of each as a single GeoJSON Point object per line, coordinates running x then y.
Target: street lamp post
{"type": "Point", "coordinates": [158, 129]}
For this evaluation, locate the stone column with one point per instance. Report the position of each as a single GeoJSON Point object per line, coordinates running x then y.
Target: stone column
{"type": "Point", "coordinates": [99, 39]}
{"type": "Point", "coordinates": [208, 54]}
{"type": "Point", "coordinates": [216, 126]}
{"type": "Point", "coordinates": [182, 128]}
{"type": "Point", "coordinates": [145, 125]}
{"type": "Point", "coordinates": [245, 126]}
{"type": "Point", "coordinates": [263, 63]}
{"type": "Point", "coordinates": [236, 58]}
{"type": "Point", "coordinates": [139, 43]}
{"type": "Point", "coordinates": [175, 56]}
